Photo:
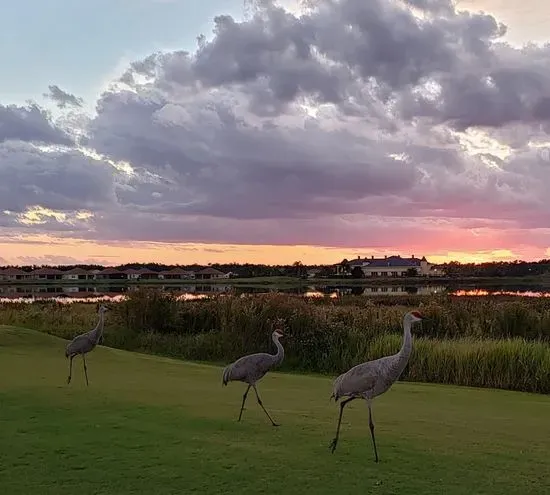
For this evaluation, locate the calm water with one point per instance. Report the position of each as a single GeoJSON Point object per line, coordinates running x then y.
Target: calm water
{"type": "Point", "coordinates": [28, 293]}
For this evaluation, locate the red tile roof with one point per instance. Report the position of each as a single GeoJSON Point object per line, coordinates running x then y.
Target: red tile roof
{"type": "Point", "coordinates": [176, 271]}
{"type": "Point", "coordinates": [13, 271]}
{"type": "Point", "coordinates": [210, 271]}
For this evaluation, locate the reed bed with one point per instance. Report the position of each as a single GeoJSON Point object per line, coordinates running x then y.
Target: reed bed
{"type": "Point", "coordinates": [491, 342]}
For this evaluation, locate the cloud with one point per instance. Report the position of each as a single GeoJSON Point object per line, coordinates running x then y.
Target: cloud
{"type": "Point", "coordinates": [343, 126]}
{"type": "Point", "coordinates": [62, 98]}
{"type": "Point", "coordinates": [59, 180]}
{"type": "Point", "coordinates": [50, 260]}
{"type": "Point", "coordinates": [31, 124]}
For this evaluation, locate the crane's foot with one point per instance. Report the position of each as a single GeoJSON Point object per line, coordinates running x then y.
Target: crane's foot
{"type": "Point", "coordinates": [333, 444]}
{"type": "Point", "coordinates": [275, 424]}
{"type": "Point", "coordinates": [68, 380]}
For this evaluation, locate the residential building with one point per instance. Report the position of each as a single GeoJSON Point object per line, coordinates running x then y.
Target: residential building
{"type": "Point", "coordinates": [11, 274]}
{"type": "Point", "coordinates": [111, 274]}
{"type": "Point", "coordinates": [46, 274]}
{"type": "Point", "coordinates": [177, 274]}
{"type": "Point", "coordinates": [146, 274]}
{"type": "Point", "coordinates": [77, 274]}
{"type": "Point", "coordinates": [210, 273]}
{"type": "Point", "coordinates": [390, 266]}
{"type": "Point", "coordinates": [132, 274]}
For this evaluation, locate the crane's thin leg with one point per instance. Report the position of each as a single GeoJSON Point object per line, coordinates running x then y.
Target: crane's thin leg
{"type": "Point", "coordinates": [371, 426]}
{"type": "Point", "coordinates": [262, 406]}
{"type": "Point", "coordinates": [334, 442]}
{"type": "Point", "coordinates": [85, 368]}
{"type": "Point", "coordinates": [70, 369]}
{"type": "Point", "coordinates": [244, 400]}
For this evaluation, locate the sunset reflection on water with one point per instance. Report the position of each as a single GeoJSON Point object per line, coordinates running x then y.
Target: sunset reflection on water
{"type": "Point", "coordinates": [67, 299]}
{"type": "Point", "coordinates": [485, 292]}
{"type": "Point", "coordinates": [70, 297]}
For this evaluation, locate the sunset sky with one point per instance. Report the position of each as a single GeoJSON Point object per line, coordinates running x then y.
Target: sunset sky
{"type": "Point", "coordinates": [283, 133]}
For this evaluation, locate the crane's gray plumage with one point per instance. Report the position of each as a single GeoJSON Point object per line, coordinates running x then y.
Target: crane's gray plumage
{"type": "Point", "coordinates": [86, 342]}
{"type": "Point", "coordinates": [249, 369]}
{"type": "Point", "coordinates": [371, 379]}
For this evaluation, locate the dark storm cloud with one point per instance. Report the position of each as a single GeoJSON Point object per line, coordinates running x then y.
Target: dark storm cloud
{"type": "Point", "coordinates": [57, 180]}
{"type": "Point", "coordinates": [30, 123]}
{"type": "Point", "coordinates": [223, 131]}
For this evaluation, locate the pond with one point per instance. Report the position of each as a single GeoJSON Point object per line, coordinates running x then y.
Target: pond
{"type": "Point", "coordinates": [92, 293]}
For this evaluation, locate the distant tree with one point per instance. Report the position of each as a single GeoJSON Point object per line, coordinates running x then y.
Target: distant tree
{"type": "Point", "coordinates": [344, 266]}
{"type": "Point", "coordinates": [300, 269]}
{"type": "Point", "coordinates": [411, 272]}
{"type": "Point", "coordinates": [357, 272]}
{"type": "Point", "coordinates": [326, 271]}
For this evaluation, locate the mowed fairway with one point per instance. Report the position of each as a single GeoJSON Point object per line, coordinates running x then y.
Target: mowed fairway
{"type": "Point", "coordinates": [151, 425]}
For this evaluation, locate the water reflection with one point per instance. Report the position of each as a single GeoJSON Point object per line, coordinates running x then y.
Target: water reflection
{"type": "Point", "coordinates": [97, 293]}
{"type": "Point", "coordinates": [485, 292]}
{"type": "Point", "coordinates": [90, 293]}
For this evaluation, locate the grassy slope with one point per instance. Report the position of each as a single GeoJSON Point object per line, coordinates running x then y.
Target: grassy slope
{"type": "Point", "coordinates": [155, 425]}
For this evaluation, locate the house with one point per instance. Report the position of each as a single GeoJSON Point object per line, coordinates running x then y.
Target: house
{"type": "Point", "coordinates": [76, 274]}
{"type": "Point", "coordinates": [132, 274]}
{"type": "Point", "coordinates": [389, 266]}
{"type": "Point", "coordinates": [46, 274]}
{"type": "Point", "coordinates": [177, 274]}
{"type": "Point", "coordinates": [11, 274]}
{"type": "Point", "coordinates": [111, 274]}
{"type": "Point", "coordinates": [210, 274]}
{"type": "Point", "coordinates": [146, 274]}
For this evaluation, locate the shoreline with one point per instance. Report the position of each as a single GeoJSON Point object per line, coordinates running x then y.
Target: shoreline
{"type": "Point", "coordinates": [291, 282]}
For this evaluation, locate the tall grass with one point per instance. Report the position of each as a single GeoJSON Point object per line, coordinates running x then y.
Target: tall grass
{"type": "Point", "coordinates": [482, 342]}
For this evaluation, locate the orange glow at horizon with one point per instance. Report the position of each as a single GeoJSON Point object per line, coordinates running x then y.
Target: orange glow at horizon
{"type": "Point", "coordinates": [42, 249]}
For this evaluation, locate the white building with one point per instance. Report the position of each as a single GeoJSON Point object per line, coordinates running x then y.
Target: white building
{"type": "Point", "coordinates": [390, 266]}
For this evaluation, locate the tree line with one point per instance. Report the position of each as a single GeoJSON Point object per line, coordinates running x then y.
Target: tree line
{"type": "Point", "coordinates": [453, 269]}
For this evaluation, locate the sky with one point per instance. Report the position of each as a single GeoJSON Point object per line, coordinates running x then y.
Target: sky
{"type": "Point", "coordinates": [262, 131]}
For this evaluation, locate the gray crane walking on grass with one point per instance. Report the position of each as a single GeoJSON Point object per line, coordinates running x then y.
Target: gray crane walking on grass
{"type": "Point", "coordinates": [249, 369]}
{"type": "Point", "coordinates": [82, 344]}
{"type": "Point", "coordinates": [373, 378]}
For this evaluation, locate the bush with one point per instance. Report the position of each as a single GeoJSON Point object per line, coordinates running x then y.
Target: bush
{"type": "Point", "coordinates": [482, 342]}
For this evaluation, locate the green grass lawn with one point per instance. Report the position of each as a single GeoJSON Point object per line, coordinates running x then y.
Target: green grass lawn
{"type": "Point", "coordinates": [153, 425]}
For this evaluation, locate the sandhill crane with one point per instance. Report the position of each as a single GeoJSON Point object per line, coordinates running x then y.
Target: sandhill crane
{"type": "Point", "coordinates": [368, 380]}
{"type": "Point", "coordinates": [82, 344]}
{"type": "Point", "coordinates": [249, 369]}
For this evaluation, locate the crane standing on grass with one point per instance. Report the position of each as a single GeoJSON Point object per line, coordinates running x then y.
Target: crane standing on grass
{"type": "Point", "coordinates": [249, 369]}
{"type": "Point", "coordinates": [82, 344]}
{"type": "Point", "coordinates": [368, 380]}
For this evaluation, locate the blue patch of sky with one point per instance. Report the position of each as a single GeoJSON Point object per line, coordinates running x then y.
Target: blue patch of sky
{"type": "Point", "coordinates": [79, 44]}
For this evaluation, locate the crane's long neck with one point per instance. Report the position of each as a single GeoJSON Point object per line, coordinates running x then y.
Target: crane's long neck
{"type": "Point", "coordinates": [402, 357]}
{"type": "Point", "coordinates": [406, 348]}
{"type": "Point", "coordinates": [97, 332]}
{"type": "Point", "coordinates": [278, 358]}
